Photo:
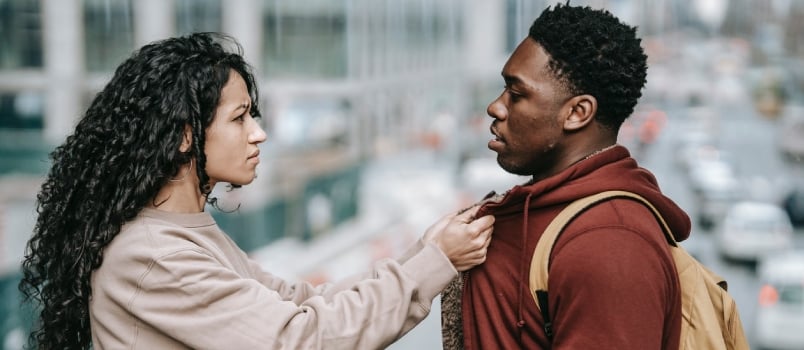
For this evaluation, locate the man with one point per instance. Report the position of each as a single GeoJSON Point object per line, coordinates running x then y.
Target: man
{"type": "Point", "coordinates": [613, 285]}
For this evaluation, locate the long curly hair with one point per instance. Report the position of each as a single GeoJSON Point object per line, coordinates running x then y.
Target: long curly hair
{"type": "Point", "coordinates": [592, 52]}
{"type": "Point", "coordinates": [123, 150]}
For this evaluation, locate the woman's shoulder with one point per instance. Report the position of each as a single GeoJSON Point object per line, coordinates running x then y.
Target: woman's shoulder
{"type": "Point", "coordinates": [147, 237]}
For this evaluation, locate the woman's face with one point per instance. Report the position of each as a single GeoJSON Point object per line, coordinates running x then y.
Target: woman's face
{"type": "Point", "coordinates": [232, 137]}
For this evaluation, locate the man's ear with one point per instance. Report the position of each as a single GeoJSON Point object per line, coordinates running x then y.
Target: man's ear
{"type": "Point", "coordinates": [582, 110]}
{"type": "Point", "coordinates": [187, 139]}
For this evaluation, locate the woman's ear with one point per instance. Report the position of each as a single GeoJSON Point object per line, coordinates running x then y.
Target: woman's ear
{"type": "Point", "coordinates": [582, 112]}
{"type": "Point", "coordinates": [187, 139]}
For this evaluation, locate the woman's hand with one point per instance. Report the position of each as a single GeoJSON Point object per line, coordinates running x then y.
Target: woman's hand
{"type": "Point", "coordinates": [462, 238]}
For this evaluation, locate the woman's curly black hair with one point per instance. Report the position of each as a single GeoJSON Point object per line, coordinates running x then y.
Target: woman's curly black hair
{"type": "Point", "coordinates": [123, 150]}
{"type": "Point", "coordinates": [593, 53]}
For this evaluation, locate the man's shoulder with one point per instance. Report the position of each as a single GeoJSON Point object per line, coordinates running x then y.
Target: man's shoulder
{"type": "Point", "coordinates": [617, 214]}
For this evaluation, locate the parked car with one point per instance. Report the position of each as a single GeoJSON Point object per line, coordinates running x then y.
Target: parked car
{"type": "Point", "coordinates": [780, 316]}
{"type": "Point", "coordinates": [708, 173]}
{"type": "Point", "coordinates": [750, 230]}
{"type": "Point", "coordinates": [713, 202]}
{"type": "Point", "coordinates": [716, 187]}
{"type": "Point", "coordinates": [693, 145]}
{"type": "Point", "coordinates": [791, 138]}
{"type": "Point", "coordinates": [479, 175]}
{"type": "Point", "coordinates": [793, 204]}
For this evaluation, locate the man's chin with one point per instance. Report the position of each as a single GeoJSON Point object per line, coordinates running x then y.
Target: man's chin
{"type": "Point", "coordinates": [505, 165]}
{"type": "Point", "coordinates": [512, 168]}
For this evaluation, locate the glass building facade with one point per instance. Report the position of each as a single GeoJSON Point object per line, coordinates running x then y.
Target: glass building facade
{"type": "Point", "coordinates": [342, 82]}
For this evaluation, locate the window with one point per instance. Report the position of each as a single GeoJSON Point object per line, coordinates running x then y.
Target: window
{"type": "Point", "coordinates": [20, 34]}
{"type": "Point", "coordinates": [21, 110]}
{"type": "Point", "coordinates": [305, 39]}
{"type": "Point", "coordinates": [109, 33]}
{"type": "Point", "coordinates": [313, 123]}
{"type": "Point", "coordinates": [22, 148]}
{"type": "Point", "coordinates": [198, 16]}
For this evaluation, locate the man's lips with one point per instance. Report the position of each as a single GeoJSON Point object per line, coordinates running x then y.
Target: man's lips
{"type": "Point", "coordinates": [497, 142]}
{"type": "Point", "coordinates": [496, 135]}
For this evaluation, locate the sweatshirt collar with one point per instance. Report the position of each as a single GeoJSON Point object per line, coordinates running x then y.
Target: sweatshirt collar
{"type": "Point", "coordinates": [182, 219]}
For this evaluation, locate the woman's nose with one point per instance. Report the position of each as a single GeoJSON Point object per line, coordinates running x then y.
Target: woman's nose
{"type": "Point", "coordinates": [257, 135]}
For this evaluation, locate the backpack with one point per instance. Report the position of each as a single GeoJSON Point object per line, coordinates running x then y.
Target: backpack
{"type": "Point", "coordinates": [709, 314]}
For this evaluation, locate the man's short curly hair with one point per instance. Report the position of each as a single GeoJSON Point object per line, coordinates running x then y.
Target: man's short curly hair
{"type": "Point", "coordinates": [593, 53]}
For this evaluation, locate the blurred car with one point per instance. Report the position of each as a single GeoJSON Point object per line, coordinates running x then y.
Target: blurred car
{"type": "Point", "coordinates": [715, 186]}
{"type": "Point", "coordinates": [692, 145]}
{"type": "Point", "coordinates": [780, 316]}
{"type": "Point", "coordinates": [751, 230]}
{"type": "Point", "coordinates": [791, 138]}
{"type": "Point", "coordinates": [713, 202]}
{"type": "Point", "coordinates": [705, 174]}
{"type": "Point", "coordinates": [793, 204]}
{"type": "Point", "coordinates": [479, 175]}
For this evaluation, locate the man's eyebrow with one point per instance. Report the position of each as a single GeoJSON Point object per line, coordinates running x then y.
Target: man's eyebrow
{"type": "Point", "coordinates": [515, 80]}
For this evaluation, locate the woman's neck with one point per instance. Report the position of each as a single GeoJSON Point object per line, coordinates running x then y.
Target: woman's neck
{"type": "Point", "coordinates": [180, 197]}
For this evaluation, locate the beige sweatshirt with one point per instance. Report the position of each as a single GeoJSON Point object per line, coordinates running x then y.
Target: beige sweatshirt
{"type": "Point", "coordinates": [176, 281]}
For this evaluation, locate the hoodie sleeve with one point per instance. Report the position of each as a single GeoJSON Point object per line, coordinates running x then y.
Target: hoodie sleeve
{"type": "Point", "coordinates": [613, 286]}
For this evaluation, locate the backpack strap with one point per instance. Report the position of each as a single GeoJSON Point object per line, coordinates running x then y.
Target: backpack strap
{"type": "Point", "coordinates": [541, 255]}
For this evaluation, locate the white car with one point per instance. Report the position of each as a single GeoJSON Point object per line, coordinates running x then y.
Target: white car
{"type": "Point", "coordinates": [693, 145]}
{"type": "Point", "coordinates": [480, 175]}
{"type": "Point", "coordinates": [717, 174]}
{"type": "Point", "coordinates": [751, 230]}
{"type": "Point", "coordinates": [780, 316]}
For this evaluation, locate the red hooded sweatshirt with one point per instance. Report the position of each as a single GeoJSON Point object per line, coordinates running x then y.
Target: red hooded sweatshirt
{"type": "Point", "coordinates": [613, 283]}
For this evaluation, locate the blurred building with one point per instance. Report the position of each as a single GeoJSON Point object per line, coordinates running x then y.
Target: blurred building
{"type": "Point", "coordinates": [342, 83]}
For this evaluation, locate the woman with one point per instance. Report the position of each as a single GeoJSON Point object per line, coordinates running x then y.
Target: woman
{"type": "Point", "coordinates": [123, 254]}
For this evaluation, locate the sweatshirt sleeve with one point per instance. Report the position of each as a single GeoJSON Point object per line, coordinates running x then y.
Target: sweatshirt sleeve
{"type": "Point", "coordinates": [196, 300]}
{"type": "Point", "coordinates": [301, 291]}
{"type": "Point", "coordinates": [610, 289]}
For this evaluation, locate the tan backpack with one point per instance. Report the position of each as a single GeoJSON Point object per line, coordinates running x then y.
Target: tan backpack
{"type": "Point", "coordinates": [709, 314]}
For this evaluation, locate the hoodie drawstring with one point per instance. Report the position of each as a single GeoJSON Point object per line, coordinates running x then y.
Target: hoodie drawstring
{"type": "Point", "coordinates": [524, 266]}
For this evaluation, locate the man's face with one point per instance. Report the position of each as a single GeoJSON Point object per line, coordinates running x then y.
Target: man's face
{"type": "Point", "coordinates": [529, 114]}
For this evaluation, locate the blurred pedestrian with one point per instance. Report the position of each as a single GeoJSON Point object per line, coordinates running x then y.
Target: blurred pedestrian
{"type": "Point", "coordinates": [124, 254]}
{"type": "Point", "coordinates": [569, 86]}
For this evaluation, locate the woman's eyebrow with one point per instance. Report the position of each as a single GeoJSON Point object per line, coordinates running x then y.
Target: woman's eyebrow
{"type": "Point", "coordinates": [244, 105]}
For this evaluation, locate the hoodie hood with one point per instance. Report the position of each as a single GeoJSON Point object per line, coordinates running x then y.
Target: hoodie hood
{"type": "Point", "coordinates": [612, 169]}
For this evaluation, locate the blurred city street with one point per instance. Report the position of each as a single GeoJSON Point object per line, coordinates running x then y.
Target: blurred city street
{"type": "Point", "coordinates": [377, 125]}
{"type": "Point", "coordinates": [426, 185]}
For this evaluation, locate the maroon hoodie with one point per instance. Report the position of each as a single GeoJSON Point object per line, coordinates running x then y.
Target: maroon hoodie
{"type": "Point", "coordinates": [612, 285]}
